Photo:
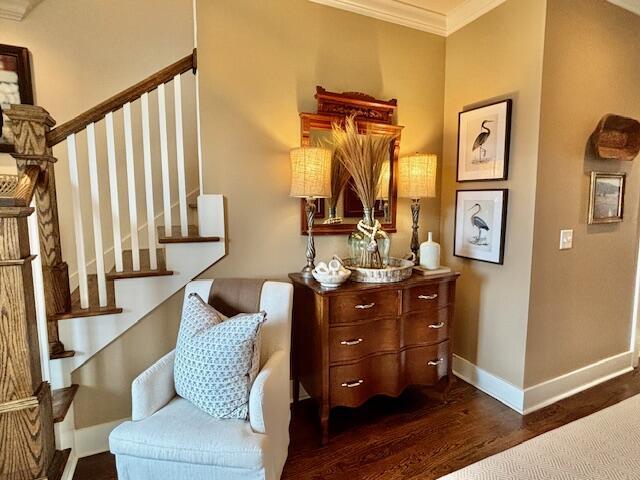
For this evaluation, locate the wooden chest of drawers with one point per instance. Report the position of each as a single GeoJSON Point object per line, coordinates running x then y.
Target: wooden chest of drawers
{"type": "Point", "coordinates": [361, 340]}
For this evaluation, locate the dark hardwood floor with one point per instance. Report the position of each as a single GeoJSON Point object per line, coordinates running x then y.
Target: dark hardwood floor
{"type": "Point", "coordinates": [414, 436]}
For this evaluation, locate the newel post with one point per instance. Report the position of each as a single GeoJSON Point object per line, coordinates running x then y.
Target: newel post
{"type": "Point", "coordinates": [27, 444]}
{"type": "Point", "coordinates": [30, 125]}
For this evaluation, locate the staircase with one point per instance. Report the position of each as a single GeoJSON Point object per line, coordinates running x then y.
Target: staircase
{"type": "Point", "coordinates": [77, 318]}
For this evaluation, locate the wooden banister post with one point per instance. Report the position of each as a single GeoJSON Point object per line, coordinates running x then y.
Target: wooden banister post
{"type": "Point", "coordinates": [26, 419]}
{"type": "Point", "coordinates": [30, 125]}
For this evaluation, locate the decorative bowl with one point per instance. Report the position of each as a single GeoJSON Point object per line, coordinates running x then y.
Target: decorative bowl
{"type": "Point", "coordinates": [331, 279]}
{"type": "Point", "coordinates": [397, 270]}
{"type": "Point", "coordinates": [331, 275]}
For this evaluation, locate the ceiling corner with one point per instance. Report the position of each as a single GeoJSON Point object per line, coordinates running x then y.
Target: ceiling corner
{"type": "Point", "coordinates": [16, 9]}
{"type": "Point", "coordinates": [469, 11]}
{"type": "Point", "coordinates": [631, 5]}
{"type": "Point", "coordinates": [394, 11]}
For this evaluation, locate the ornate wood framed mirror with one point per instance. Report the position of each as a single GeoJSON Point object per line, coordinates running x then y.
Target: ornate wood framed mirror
{"type": "Point", "coordinates": [340, 215]}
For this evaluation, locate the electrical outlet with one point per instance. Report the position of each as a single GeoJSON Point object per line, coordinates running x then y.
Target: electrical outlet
{"type": "Point", "coordinates": [566, 239]}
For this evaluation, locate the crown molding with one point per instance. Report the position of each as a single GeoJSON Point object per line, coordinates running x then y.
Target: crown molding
{"type": "Point", "coordinates": [394, 11]}
{"type": "Point", "coordinates": [398, 12]}
{"type": "Point", "coordinates": [631, 5]}
{"type": "Point", "coordinates": [469, 11]}
{"type": "Point", "coordinates": [16, 9]}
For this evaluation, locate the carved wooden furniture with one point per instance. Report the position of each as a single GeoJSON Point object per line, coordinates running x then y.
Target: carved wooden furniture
{"type": "Point", "coordinates": [361, 340]}
{"type": "Point", "coordinates": [617, 138]}
{"type": "Point", "coordinates": [27, 444]}
{"type": "Point", "coordinates": [371, 114]}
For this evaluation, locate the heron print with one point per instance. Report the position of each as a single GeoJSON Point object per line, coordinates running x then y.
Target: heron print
{"type": "Point", "coordinates": [478, 223]}
{"type": "Point", "coordinates": [483, 135]}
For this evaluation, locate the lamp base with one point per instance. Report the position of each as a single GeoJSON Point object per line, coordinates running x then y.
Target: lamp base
{"type": "Point", "coordinates": [306, 271]}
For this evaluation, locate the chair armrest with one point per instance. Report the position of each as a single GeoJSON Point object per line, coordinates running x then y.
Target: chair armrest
{"type": "Point", "coordinates": [269, 407]}
{"type": "Point", "coordinates": [153, 388]}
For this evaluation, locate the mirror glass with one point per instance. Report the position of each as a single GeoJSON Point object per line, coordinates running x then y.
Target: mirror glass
{"type": "Point", "coordinates": [347, 208]}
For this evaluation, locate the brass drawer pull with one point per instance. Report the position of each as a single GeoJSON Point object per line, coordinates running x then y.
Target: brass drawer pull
{"type": "Point", "coordinates": [435, 363]}
{"type": "Point", "coordinates": [437, 325]}
{"type": "Point", "coordinates": [351, 342]}
{"type": "Point", "coordinates": [428, 297]}
{"type": "Point", "coordinates": [353, 384]}
{"type": "Point", "coordinates": [365, 306]}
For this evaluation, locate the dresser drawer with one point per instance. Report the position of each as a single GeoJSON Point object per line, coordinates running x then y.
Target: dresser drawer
{"type": "Point", "coordinates": [426, 327]}
{"type": "Point", "coordinates": [351, 385]}
{"type": "Point", "coordinates": [351, 342]}
{"type": "Point", "coordinates": [426, 365]}
{"type": "Point", "coordinates": [427, 298]}
{"type": "Point", "coordinates": [362, 306]}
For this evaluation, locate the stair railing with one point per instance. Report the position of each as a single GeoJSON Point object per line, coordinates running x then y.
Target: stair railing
{"type": "Point", "coordinates": [34, 139]}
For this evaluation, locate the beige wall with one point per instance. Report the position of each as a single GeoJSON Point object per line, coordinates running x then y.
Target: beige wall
{"type": "Point", "coordinates": [498, 56]}
{"type": "Point", "coordinates": [581, 299]}
{"type": "Point", "coordinates": [259, 65]}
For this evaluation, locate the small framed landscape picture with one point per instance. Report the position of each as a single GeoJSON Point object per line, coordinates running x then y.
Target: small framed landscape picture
{"type": "Point", "coordinates": [15, 87]}
{"type": "Point", "coordinates": [483, 142]}
{"type": "Point", "coordinates": [480, 224]}
{"type": "Point", "coordinates": [606, 200]}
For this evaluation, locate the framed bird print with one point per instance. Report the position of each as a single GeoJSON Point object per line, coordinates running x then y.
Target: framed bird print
{"type": "Point", "coordinates": [480, 224]}
{"type": "Point", "coordinates": [483, 142]}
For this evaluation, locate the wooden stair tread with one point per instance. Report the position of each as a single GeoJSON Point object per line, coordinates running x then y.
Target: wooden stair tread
{"type": "Point", "coordinates": [94, 304]}
{"type": "Point", "coordinates": [60, 459]}
{"type": "Point", "coordinates": [176, 235]}
{"type": "Point", "coordinates": [62, 399]}
{"type": "Point", "coordinates": [145, 268]}
{"type": "Point", "coordinates": [65, 354]}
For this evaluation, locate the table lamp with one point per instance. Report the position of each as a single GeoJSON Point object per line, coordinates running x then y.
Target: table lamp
{"type": "Point", "coordinates": [416, 180]}
{"type": "Point", "coordinates": [310, 179]}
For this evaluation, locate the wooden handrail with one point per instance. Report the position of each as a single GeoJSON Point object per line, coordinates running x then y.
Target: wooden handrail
{"type": "Point", "coordinates": [23, 193]}
{"type": "Point", "coordinates": [116, 102]}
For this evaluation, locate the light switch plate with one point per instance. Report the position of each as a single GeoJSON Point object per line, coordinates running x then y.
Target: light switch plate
{"type": "Point", "coordinates": [566, 239]}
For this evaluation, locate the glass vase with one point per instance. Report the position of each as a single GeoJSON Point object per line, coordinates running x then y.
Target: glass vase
{"type": "Point", "coordinates": [367, 252]}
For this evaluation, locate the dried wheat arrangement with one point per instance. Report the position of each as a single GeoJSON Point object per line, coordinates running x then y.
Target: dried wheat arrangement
{"type": "Point", "coordinates": [362, 155]}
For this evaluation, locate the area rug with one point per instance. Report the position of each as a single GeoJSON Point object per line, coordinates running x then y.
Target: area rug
{"type": "Point", "coordinates": [601, 446]}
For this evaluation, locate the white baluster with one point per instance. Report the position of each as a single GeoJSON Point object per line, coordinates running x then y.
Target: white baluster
{"type": "Point", "coordinates": [38, 294]}
{"type": "Point", "coordinates": [164, 159]}
{"type": "Point", "coordinates": [113, 191]}
{"type": "Point", "coordinates": [95, 213]}
{"type": "Point", "coordinates": [131, 187]}
{"type": "Point", "coordinates": [148, 182]}
{"type": "Point", "coordinates": [182, 188]}
{"type": "Point", "coordinates": [77, 221]}
{"type": "Point", "coordinates": [198, 131]}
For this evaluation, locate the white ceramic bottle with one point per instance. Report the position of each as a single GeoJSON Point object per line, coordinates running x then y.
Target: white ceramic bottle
{"type": "Point", "coordinates": [430, 253]}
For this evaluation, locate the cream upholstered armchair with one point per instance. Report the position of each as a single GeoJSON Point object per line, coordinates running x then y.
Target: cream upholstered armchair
{"type": "Point", "coordinates": [170, 439]}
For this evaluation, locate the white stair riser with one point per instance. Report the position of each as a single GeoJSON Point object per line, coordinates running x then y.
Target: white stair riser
{"type": "Point", "coordinates": [139, 296]}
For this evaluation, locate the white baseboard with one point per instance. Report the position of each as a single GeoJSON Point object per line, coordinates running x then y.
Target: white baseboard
{"type": "Point", "coordinates": [550, 391]}
{"type": "Point", "coordinates": [94, 439]}
{"type": "Point", "coordinates": [525, 401]}
{"type": "Point", "coordinates": [498, 388]}
{"type": "Point", "coordinates": [70, 467]}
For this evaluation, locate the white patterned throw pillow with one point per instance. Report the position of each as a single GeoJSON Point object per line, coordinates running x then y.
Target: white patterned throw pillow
{"type": "Point", "coordinates": [217, 358]}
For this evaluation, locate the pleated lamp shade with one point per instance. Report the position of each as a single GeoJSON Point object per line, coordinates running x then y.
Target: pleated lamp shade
{"type": "Point", "coordinates": [311, 172]}
{"type": "Point", "coordinates": [417, 176]}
